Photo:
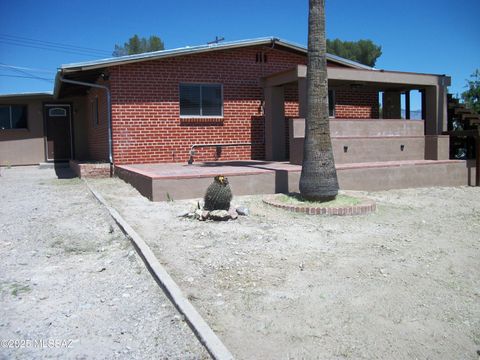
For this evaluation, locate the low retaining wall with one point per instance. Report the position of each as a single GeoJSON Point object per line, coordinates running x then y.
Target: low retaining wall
{"type": "Point", "coordinates": [90, 170]}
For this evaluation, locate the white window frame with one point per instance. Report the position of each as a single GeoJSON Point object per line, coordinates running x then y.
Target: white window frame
{"type": "Point", "coordinates": [200, 116]}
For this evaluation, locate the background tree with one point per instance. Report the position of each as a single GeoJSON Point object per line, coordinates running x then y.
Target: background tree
{"type": "Point", "coordinates": [363, 51]}
{"type": "Point", "coordinates": [471, 97]}
{"type": "Point", "coordinates": [137, 45]}
{"type": "Point", "coordinates": [318, 180]}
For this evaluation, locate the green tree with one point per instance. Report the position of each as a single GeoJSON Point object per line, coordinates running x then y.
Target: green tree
{"type": "Point", "coordinates": [318, 180]}
{"type": "Point", "coordinates": [363, 51]}
{"type": "Point", "coordinates": [137, 45]}
{"type": "Point", "coordinates": [471, 97]}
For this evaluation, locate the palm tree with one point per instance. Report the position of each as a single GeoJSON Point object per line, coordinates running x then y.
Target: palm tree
{"type": "Point", "coordinates": [318, 180]}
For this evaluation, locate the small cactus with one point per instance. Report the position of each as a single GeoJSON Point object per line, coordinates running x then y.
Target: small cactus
{"type": "Point", "coordinates": [218, 195]}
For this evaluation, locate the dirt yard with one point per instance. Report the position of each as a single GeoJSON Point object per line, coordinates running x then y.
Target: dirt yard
{"type": "Point", "coordinates": [403, 283]}
{"type": "Point", "coordinates": [71, 282]}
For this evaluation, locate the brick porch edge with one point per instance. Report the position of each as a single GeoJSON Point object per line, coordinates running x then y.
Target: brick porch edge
{"type": "Point", "coordinates": [366, 206]}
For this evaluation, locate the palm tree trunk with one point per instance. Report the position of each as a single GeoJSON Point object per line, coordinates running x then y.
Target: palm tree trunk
{"type": "Point", "coordinates": [318, 180]}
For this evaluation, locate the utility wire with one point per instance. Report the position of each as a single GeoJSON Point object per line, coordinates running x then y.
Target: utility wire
{"type": "Point", "coordinates": [26, 77]}
{"type": "Point", "coordinates": [26, 68]}
{"type": "Point", "coordinates": [52, 44]}
{"type": "Point", "coordinates": [23, 72]}
{"type": "Point", "coordinates": [10, 42]}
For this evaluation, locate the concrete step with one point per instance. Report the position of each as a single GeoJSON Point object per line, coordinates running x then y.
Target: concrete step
{"type": "Point", "coordinates": [53, 165]}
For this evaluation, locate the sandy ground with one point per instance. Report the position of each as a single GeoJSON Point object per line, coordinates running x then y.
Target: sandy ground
{"type": "Point", "coordinates": [403, 283]}
{"type": "Point", "coordinates": [72, 282]}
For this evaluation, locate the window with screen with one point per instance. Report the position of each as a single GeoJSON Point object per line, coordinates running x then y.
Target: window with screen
{"type": "Point", "coordinates": [13, 117]}
{"type": "Point", "coordinates": [201, 100]}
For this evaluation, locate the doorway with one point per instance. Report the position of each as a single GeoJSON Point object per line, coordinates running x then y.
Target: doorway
{"type": "Point", "coordinates": [58, 128]}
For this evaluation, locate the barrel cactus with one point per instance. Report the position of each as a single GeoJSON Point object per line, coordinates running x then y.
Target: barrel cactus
{"type": "Point", "coordinates": [218, 195]}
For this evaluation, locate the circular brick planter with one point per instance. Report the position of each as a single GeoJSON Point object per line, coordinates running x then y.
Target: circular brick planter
{"type": "Point", "coordinates": [366, 206]}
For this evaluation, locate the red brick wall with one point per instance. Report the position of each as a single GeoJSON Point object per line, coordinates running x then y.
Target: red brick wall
{"type": "Point", "coordinates": [145, 105]}
{"type": "Point", "coordinates": [291, 111]}
{"type": "Point", "coordinates": [349, 104]}
{"type": "Point", "coordinates": [146, 124]}
{"type": "Point", "coordinates": [356, 104]}
{"type": "Point", "coordinates": [97, 135]}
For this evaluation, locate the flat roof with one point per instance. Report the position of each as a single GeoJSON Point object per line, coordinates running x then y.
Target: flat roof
{"type": "Point", "coordinates": [187, 50]}
{"type": "Point", "coordinates": [360, 76]}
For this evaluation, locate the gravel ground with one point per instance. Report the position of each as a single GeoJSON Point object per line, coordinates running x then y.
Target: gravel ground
{"type": "Point", "coordinates": [68, 274]}
{"type": "Point", "coordinates": [402, 283]}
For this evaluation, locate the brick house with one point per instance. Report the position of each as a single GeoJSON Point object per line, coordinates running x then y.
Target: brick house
{"type": "Point", "coordinates": [238, 100]}
{"type": "Point", "coordinates": [151, 94]}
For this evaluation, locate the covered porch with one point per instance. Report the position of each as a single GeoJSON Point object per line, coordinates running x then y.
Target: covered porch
{"type": "Point", "coordinates": [365, 133]}
{"type": "Point", "coordinates": [372, 152]}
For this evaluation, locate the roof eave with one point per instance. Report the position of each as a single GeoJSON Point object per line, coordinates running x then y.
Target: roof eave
{"type": "Point", "coordinates": [121, 60]}
{"type": "Point", "coordinates": [68, 68]}
{"type": "Point", "coordinates": [37, 94]}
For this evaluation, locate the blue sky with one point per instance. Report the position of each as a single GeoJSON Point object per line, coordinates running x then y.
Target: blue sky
{"type": "Point", "coordinates": [431, 36]}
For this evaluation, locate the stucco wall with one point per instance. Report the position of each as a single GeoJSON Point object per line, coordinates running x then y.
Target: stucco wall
{"type": "Point", "coordinates": [24, 146]}
{"type": "Point", "coordinates": [27, 146]}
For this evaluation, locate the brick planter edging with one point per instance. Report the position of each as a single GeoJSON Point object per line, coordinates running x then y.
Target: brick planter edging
{"type": "Point", "coordinates": [90, 170]}
{"type": "Point", "coordinates": [366, 206]}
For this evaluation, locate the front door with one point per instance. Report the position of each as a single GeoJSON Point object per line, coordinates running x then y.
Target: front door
{"type": "Point", "coordinates": [59, 132]}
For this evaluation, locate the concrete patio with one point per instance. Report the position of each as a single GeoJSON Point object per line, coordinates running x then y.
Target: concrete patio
{"type": "Point", "coordinates": [167, 181]}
